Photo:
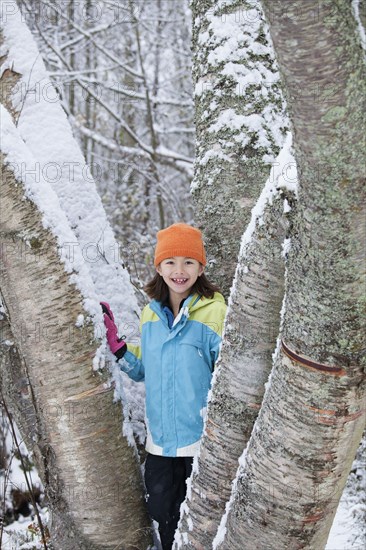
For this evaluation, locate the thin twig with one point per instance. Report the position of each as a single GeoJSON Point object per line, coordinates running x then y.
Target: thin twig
{"type": "Point", "coordinates": [102, 254]}
{"type": "Point", "coordinates": [6, 479]}
{"type": "Point", "coordinates": [16, 121]}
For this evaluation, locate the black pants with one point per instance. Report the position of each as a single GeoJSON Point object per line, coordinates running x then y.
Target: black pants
{"type": "Point", "coordinates": [165, 480]}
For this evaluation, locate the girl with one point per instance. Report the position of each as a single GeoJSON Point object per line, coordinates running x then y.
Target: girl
{"type": "Point", "coordinates": [180, 337]}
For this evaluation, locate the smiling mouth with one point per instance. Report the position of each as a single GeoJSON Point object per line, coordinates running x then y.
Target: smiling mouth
{"type": "Point", "coordinates": [180, 281]}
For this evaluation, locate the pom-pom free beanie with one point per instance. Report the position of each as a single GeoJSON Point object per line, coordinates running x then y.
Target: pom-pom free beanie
{"type": "Point", "coordinates": [180, 239]}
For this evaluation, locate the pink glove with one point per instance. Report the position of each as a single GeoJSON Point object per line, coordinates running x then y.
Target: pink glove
{"type": "Point", "coordinates": [117, 345]}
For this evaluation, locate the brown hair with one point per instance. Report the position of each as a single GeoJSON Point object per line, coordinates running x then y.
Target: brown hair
{"type": "Point", "coordinates": [158, 289]}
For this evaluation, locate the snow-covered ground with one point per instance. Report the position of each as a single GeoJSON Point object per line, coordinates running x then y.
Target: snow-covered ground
{"type": "Point", "coordinates": [349, 526]}
{"type": "Point", "coordinates": [22, 533]}
{"type": "Point", "coordinates": [346, 532]}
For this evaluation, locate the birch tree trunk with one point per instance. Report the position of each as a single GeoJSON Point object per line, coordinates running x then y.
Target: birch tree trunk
{"type": "Point", "coordinates": [251, 330]}
{"type": "Point", "coordinates": [254, 315]}
{"type": "Point", "coordinates": [240, 123]}
{"type": "Point", "coordinates": [294, 469]}
{"type": "Point", "coordinates": [58, 159]}
{"type": "Point", "coordinates": [90, 473]}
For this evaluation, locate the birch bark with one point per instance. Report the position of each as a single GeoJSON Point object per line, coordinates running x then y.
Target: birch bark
{"type": "Point", "coordinates": [71, 424]}
{"type": "Point", "coordinates": [86, 465]}
{"type": "Point", "coordinates": [296, 464]}
{"type": "Point", "coordinates": [235, 74]}
{"type": "Point", "coordinates": [251, 330]}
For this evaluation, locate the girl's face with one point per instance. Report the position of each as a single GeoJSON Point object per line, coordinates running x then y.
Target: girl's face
{"type": "Point", "coordinates": [180, 274]}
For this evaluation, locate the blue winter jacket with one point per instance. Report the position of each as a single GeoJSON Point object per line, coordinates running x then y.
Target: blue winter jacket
{"type": "Point", "coordinates": [176, 362]}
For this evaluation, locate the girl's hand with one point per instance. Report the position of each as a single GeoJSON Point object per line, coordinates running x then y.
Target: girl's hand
{"type": "Point", "coordinates": [117, 345]}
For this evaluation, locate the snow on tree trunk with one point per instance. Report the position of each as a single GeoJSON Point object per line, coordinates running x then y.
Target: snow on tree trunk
{"type": "Point", "coordinates": [294, 469]}
{"type": "Point", "coordinates": [251, 331]}
{"type": "Point", "coordinates": [43, 125]}
{"type": "Point", "coordinates": [240, 123]}
{"type": "Point", "coordinates": [86, 465]}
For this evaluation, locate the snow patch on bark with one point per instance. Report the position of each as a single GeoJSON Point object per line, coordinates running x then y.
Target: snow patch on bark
{"type": "Point", "coordinates": [361, 28]}
{"type": "Point", "coordinates": [232, 53]}
{"type": "Point", "coordinates": [283, 176]}
{"type": "Point", "coordinates": [53, 218]}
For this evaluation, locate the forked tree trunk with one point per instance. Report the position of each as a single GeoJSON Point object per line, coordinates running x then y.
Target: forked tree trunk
{"type": "Point", "coordinates": [237, 171]}
{"type": "Point", "coordinates": [296, 464]}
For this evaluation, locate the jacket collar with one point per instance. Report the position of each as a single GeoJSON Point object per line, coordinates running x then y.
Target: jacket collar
{"type": "Point", "coordinates": [160, 309]}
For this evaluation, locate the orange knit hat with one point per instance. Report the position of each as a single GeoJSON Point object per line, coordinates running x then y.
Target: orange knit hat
{"type": "Point", "coordinates": [179, 239]}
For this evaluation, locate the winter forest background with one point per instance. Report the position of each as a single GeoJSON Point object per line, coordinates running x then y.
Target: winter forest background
{"type": "Point", "coordinates": [178, 113]}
